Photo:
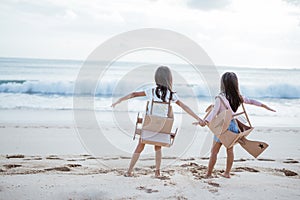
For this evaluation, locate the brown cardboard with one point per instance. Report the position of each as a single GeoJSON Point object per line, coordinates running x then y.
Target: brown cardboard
{"type": "Point", "coordinates": [255, 148]}
{"type": "Point", "coordinates": [219, 126]}
{"type": "Point", "coordinates": [158, 124]}
{"type": "Point", "coordinates": [220, 123]}
{"type": "Point", "coordinates": [154, 129]}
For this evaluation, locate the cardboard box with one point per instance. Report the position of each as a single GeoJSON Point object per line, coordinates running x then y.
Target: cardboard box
{"type": "Point", "coordinates": [155, 138]}
{"type": "Point", "coordinates": [158, 124]}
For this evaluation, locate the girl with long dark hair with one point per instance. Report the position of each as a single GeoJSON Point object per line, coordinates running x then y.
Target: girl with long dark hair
{"type": "Point", "coordinates": [231, 96]}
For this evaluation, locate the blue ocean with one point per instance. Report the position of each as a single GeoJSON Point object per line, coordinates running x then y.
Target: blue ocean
{"type": "Point", "coordinates": [49, 84]}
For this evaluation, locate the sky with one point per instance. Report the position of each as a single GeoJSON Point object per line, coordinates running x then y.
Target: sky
{"type": "Point", "coordinates": [232, 32]}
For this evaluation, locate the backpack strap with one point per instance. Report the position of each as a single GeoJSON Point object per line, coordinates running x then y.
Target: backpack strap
{"type": "Point", "coordinates": [169, 104]}
{"type": "Point", "coordinates": [246, 115]}
{"type": "Point", "coordinates": [169, 113]}
{"type": "Point", "coordinates": [222, 101]}
{"type": "Point", "coordinates": [152, 101]}
{"type": "Point", "coordinates": [236, 114]}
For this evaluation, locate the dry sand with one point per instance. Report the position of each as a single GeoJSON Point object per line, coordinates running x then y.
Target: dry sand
{"type": "Point", "coordinates": [85, 177]}
{"type": "Point", "coordinates": [41, 157]}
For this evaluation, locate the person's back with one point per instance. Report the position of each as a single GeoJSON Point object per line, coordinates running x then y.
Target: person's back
{"type": "Point", "coordinates": [159, 109]}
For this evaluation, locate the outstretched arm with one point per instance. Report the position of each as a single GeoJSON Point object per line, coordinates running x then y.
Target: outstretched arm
{"type": "Point", "coordinates": [190, 112]}
{"type": "Point", "coordinates": [267, 107]}
{"type": "Point", "coordinates": [129, 96]}
{"type": "Point", "coordinates": [257, 103]}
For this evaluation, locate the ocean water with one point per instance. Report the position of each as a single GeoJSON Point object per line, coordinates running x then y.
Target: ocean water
{"type": "Point", "coordinates": [38, 84]}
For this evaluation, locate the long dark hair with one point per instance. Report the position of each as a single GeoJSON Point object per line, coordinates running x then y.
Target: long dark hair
{"type": "Point", "coordinates": [163, 80]}
{"type": "Point", "coordinates": [230, 87]}
{"type": "Point", "coordinates": [161, 92]}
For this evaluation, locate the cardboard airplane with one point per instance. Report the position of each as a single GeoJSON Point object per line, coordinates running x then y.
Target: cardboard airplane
{"type": "Point", "coordinates": [220, 123]}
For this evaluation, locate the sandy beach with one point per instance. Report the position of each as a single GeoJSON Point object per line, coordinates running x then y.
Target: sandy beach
{"type": "Point", "coordinates": [83, 177]}
{"type": "Point", "coordinates": [64, 66]}
{"type": "Point", "coordinates": [42, 157]}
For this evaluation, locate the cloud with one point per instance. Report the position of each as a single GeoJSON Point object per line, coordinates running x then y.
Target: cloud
{"type": "Point", "coordinates": [208, 5]}
{"type": "Point", "coordinates": [34, 7]}
{"type": "Point", "coordinates": [72, 29]}
{"type": "Point", "coordinates": [294, 11]}
{"type": "Point", "coordinates": [293, 2]}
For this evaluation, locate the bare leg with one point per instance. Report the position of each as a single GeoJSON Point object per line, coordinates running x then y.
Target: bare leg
{"type": "Point", "coordinates": [213, 158]}
{"type": "Point", "coordinates": [135, 157]}
{"type": "Point", "coordinates": [157, 160]}
{"type": "Point", "coordinates": [230, 157]}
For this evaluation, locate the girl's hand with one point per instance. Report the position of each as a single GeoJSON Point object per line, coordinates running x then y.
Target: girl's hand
{"type": "Point", "coordinates": [268, 108]}
{"type": "Point", "coordinates": [114, 104]}
{"type": "Point", "coordinates": [200, 122]}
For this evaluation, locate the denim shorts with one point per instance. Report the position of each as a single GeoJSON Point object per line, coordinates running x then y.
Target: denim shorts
{"type": "Point", "coordinates": [232, 127]}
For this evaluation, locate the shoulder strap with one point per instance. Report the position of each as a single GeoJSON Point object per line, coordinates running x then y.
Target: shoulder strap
{"type": "Point", "coordinates": [222, 101]}
{"type": "Point", "coordinates": [244, 110]}
{"type": "Point", "coordinates": [152, 94]}
{"type": "Point", "coordinates": [152, 100]}
{"type": "Point", "coordinates": [246, 115]}
{"type": "Point", "coordinates": [170, 97]}
{"type": "Point", "coordinates": [170, 114]}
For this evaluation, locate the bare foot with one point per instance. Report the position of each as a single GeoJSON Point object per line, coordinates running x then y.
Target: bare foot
{"type": "Point", "coordinates": [207, 176]}
{"type": "Point", "coordinates": [157, 173]}
{"type": "Point", "coordinates": [225, 175]}
{"type": "Point", "coordinates": [128, 174]}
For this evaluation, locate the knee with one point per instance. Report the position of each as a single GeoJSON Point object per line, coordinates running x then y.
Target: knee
{"type": "Point", "coordinates": [214, 151]}
{"type": "Point", "coordinates": [157, 148]}
{"type": "Point", "coordinates": [139, 148]}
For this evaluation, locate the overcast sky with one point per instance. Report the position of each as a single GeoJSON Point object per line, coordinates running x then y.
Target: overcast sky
{"type": "Point", "coordinates": [232, 32]}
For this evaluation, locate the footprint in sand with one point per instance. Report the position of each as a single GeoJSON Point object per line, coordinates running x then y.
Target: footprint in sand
{"type": "Point", "coordinates": [91, 158]}
{"type": "Point", "coordinates": [85, 155]}
{"type": "Point", "coordinates": [187, 159]}
{"type": "Point", "coordinates": [191, 164]}
{"type": "Point", "coordinates": [125, 157]}
{"type": "Point", "coordinates": [162, 177]}
{"type": "Point", "coordinates": [74, 165]}
{"type": "Point", "coordinates": [287, 172]}
{"type": "Point", "coordinates": [52, 157]}
{"type": "Point", "coordinates": [9, 166]}
{"type": "Point", "coordinates": [75, 160]}
{"type": "Point", "coordinates": [170, 183]}
{"type": "Point", "coordinates": [213, 184]}
{"type": "Point", "coordinates": [111, 158]}
{"type": "Point", "coordinates": [62, 169]}
{"type": "Point", "coordinates": [170, 172]}
{"type": "Point", "coordinates": [15, 156]}
{"type": "Point", "coordinates": [148, 190]}
{"type": "Point", "coordinates": [265, 159]}
{"type": "Point", "coordinates": [248, 169]}
{"type": "Point", "coordinates": [204, 158]}
{"type": "Point", "coordinates": [33, 158]}
{"type": "Point", "coordinates": [242, 160]}
{"type": "Point", "coordinates": [213, 190]}
{"type": "Point", "coordinates": [290, 161]}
